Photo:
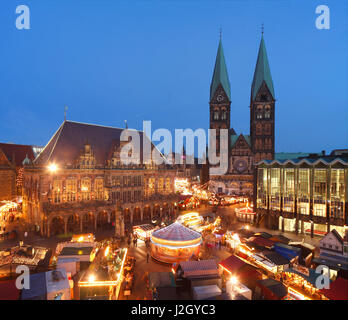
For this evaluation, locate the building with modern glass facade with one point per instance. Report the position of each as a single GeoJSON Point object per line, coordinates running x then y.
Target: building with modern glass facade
{"type": "Point", "coordinates": [304, 195]}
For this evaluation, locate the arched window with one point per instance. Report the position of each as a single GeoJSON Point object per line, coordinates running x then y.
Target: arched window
{"type": "Point", "coordinates": [216, 115]}
{"type": "Point", "coordinates": [268, 112]}
{"type": "Point", "coordinates": [259, 129]}
{"type": "Point", "coordinates": [259, 112]}
{"type": "Point", "coordinates": [223, 115]}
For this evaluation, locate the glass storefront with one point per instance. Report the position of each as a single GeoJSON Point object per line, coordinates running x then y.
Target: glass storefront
{"type": "Point", "coordinates": [289, 190]}
{"type": "Point", "coordinates": [275, 189]}
{"type": "Point", "coordinates": [319, 201]}
{"type": "Point", "coordinates": [337, 189]}
{"type": "Point", "coordinates": [262, 188]}
{"type": "Point", "coordinates": [303, 193]}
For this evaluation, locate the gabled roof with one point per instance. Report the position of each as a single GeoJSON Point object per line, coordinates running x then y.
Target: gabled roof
{"type": "Point", "coordinates": [67, 143]}
{"type": "Point", "coordinates": [17, 152]}
{"type": "Point", "coordinates": [220, 76]}
{"type": "Point", "coordinates": [202, 267]}
{"type": "Point", "coordinates": [235, 138]}
{"type": "Point", "coordinates": [232, 263]}
{"type": "Point", "coordinates": [262, 72]}
{"type": "Point", "coordinates": [336, 235]}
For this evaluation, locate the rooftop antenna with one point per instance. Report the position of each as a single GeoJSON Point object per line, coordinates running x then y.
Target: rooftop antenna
{"type": "Point", "coordinates": [220, 32]}
{"type": "Point", "coordinates": [65, 110]}
{"type": "Point", "coordinates": [262, 29]}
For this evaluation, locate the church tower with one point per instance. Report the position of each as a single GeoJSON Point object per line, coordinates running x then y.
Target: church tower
{"type": "Point", "coordinates": [262, 109]}
{"type": "Point", "coordinates": [220, 97]}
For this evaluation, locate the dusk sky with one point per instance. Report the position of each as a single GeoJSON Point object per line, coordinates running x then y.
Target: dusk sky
{"type": "Point", "coordinates": [110, 60]}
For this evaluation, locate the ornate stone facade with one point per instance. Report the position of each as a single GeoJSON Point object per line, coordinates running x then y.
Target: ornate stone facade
{"type": "Point", "coordinates": [89, 188]}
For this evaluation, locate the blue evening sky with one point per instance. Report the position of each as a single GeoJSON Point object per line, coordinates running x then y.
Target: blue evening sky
{"type": "Point", "coordinates": [111, 60]}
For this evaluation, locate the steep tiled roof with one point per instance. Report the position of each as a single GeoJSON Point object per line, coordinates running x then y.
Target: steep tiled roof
{"type": "Point", "coordinates": [17, 152]}
{"type": "Point", "coordinates": [67, 143]}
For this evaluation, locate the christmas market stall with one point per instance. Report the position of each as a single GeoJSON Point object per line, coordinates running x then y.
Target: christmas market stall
{"type": "Point", "coordinates": [246, 214]}
{"type": "Point", "coordinates": [175, 243]}
{"type": "Point", "coordinates": [103, 278]}
{"type": "Point", "coordinates": [144, 231]}
{"type": "Point", "coordinates": [302, 283]}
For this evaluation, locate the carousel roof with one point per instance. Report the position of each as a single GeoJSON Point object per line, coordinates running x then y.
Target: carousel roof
{"type": "Point", "coordinates": [176, 232]}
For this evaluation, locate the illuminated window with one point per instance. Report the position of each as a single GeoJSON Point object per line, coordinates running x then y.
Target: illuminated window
{"type": "Point", "coordinates": [337, 193]}
{"type": "Point", "coordinates": [319, 206]}
{"type": "Point", "coordinates": [303, 191]}
{"type": "Point", "coordinates": [262, 188]}
{"type": "Point", "coordinates": [71, 189]}
{"type": "Point", "coordinates": [289, 190]}
{"type": "Point", "coordinates": [275, 189]}
{"type": "Point", "coordinates": [57, 190]}
{"type": "Point", "coordinates": [99, 188]}
{"type": "Point", "coordinates": [86, 188]}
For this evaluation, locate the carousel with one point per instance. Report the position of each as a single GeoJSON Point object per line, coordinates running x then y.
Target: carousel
{"type": "Point", "coordinates": [175, 243]}
{"type": "Point", "coordinates": [246, 214]}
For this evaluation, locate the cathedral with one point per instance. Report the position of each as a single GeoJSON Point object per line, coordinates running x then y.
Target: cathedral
{"type": "Point", "coordinates": [244, 150]}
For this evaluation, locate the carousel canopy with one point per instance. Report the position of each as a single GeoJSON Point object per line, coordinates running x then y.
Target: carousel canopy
{"type": "Point", "coordinates": [176, 232]}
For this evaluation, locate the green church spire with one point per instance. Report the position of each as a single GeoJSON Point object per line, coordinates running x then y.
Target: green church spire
{"type": "Point", "coordinates": [220, 75]}
{"type": "Point", "coordinates": [262, 72]}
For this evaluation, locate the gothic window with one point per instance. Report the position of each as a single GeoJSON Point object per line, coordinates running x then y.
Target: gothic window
{"type": "Point", "coordinates": [71, 189]}
{"type": "Point", "coordinates": [216, 115]}
{"type": "Point", "coordinates": [86, 188]}
{"type": "Point", "coordinates": [268, 112]}
{"type": "Point", "coordinates": [99, 187]}
{"type": "Point", "coordinates": [259, 129]}
{"type": "Point", "coordinates": [259, 112]}
{"type": "Point", "coordinates": [223, 115]}
{"type": "Point", "coordinates": [57, 189]}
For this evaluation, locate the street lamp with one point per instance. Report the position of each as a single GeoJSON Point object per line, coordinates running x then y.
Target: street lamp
{"type": "Point", "coordinates": [52, 167]}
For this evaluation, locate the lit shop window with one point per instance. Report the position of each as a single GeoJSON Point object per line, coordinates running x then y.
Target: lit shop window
{"type": "Point", "coordinates": [262, 188]}
{"type": "Point", "coordinates": [303, 191]}
{"type": "Point", "coordinates": [319, 184]}
{"type": "Point", "coordinates": [337, 193]}
{"type": "Point", "coordinates": [275, 188]}
{"type": "Point", "coordinates": [289, 190]}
